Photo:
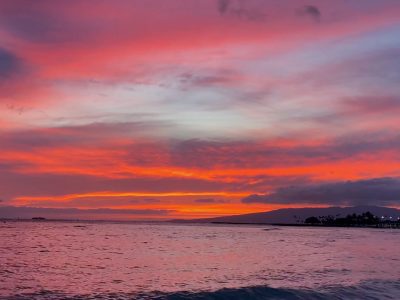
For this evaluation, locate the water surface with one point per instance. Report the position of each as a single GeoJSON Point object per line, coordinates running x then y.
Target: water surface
{"type": "Point", "coordinates": [89, 260]}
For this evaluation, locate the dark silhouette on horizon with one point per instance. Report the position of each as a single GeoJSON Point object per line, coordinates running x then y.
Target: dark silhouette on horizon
{"type": "Point", "coordinates": [298, 216]}
{"type": "Point", "coordinates": [354, 220]}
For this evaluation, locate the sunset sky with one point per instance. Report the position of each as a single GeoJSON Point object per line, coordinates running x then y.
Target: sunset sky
{"type": "Point", "coordinates": [161, 109]}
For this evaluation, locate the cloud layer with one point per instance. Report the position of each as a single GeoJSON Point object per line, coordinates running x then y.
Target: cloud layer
{"type": "Point", "coordinates": [190, 106]}
{"type": "Point", "coordinates": [376, 191]}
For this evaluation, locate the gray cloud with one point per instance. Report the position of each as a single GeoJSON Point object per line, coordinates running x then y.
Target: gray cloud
{"type": "Point", "coordinates": [10, 64]}
{"type": "Point", "coordinates": [223, 6]}
{"type": "Point", "coordinates": [376, 191]}
{"type": "Point", "coordinates": [238, 9]}
{"type": "Point", "coordinates": [311, 11]}
{"type": "Point", "coordinates": [223, 78]}
{"type": "Point", "coordinates": [17, 79]}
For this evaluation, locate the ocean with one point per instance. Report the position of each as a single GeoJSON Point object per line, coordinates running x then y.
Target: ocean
{"type": "Point", "coordinates": [116, 260]}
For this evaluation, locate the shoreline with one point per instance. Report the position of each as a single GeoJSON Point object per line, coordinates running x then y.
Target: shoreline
{"type": "Point", "coordinates": [187, 222]}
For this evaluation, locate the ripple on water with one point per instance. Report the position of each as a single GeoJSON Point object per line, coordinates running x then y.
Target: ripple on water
{"type": "Point", "coordinates": [53, 260]}
{"type": "Point", "coordinates": [364, 290]}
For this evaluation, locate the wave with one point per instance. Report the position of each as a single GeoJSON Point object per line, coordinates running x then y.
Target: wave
{"type": "Point", "coordinates": [365, 290]}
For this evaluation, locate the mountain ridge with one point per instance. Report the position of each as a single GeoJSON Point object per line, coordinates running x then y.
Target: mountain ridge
{"type": "Point", "coordinates": [298, 215]}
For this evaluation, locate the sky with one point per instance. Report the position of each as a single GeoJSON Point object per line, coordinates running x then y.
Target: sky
{"type": "Point", "coordinates": [162, 109]}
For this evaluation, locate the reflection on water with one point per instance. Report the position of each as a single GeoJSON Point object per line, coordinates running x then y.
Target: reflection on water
{"type": "Point", "coordinates": [51, 260]}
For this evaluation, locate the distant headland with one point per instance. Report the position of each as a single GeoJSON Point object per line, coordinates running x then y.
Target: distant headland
{"type": "Point", "coordinates": [356, 216]}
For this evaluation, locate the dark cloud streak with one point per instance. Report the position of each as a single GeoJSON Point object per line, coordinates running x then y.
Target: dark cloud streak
{"type": "Point", "coordinates": [311, 11]}
{"type": "Point", "coordinates": [10, 64]}
{"type": "Point", "coordinates": [376, 191]}
{"type": "Point", "coordinates": [223, 6]}
{"type": "Point", "coordinates": [238, 9]}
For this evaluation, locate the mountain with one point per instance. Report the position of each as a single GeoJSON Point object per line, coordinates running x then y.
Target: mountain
{"type": "Point", "coordinates": [298, 215]}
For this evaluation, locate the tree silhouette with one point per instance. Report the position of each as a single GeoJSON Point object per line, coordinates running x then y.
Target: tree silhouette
{"type": "Point", "coordinates": [364, 219]}
{"type": "Point", "coordinates": [312, 220]}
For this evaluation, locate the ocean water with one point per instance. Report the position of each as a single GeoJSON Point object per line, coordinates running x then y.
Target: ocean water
{"type": "Point", "coordinates": [105, 260]}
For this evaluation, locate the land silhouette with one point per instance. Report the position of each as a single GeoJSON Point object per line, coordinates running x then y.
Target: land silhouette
{"type": "Point", "coordinates": [327, 216]}
{"type": "Point", "coordinates": [361, 220]}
